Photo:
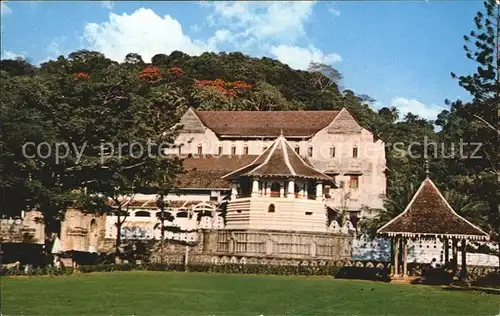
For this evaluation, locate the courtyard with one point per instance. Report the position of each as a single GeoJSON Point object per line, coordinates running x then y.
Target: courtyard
{"type": "Point", "coordinates": [174, 293]}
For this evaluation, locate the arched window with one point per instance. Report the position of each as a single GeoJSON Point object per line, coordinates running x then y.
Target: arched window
{"type": "Point", "coordinates": [93, 226]}
{"type": "Point", "coordinates": [142, 214]}
{"type": "Point", "coordinates": [332, 151]}
{"type": "Point", "coordinates": [271, 208]}
{"type": "Point", "coordinates": [275, 189]}
{"type": "Point", "coordinates": [166, 215]}
{"type": "Point", "coordinates": [93, 235]}
{"type": "Point", "coordinates": [355, 152]}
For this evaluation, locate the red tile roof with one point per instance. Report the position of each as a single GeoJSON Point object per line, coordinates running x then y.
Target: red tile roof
{"type": "Point", "coordinates": [206, 171]}
{"type": "Point", "coordinates": [266, 123]}
{"type": "Point", "coordinates": [279, 160]}
{"type": "Point", "coordinates": [429, 214]}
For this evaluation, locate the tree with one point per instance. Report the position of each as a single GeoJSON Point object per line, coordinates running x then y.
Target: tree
{"type": "Point", "coordinates": [477, 121]}
{"type": "Point", "coordinates": [324, 75]}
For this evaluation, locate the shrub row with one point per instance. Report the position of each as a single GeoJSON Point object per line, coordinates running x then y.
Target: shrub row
{"type": "Point", "coordinates": [223, 268]}
{"type": "Point", "coordinates": [492, 279]}
{"type": "Point", "coordinates": [36, 271]}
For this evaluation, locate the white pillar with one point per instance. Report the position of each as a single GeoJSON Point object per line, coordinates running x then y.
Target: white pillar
{"type": "Point", "coordinates": [319, 191]}
{"type": "Point", "coordinates": [234, 190]}
{"type": "Point", "coordinates": [282, 189]}
{"type": "Point", "coordinates": [291, 189]}
{"type": "Point", "coordinates": [255, 187]}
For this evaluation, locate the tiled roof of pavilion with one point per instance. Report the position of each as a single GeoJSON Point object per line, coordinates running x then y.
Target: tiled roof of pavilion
{"type": "Point", "coordinates": [266, 123]}
{"type": "Point", "coordinates": [429, 214]}
{"type": "Point", "coordinates": [279, 160]}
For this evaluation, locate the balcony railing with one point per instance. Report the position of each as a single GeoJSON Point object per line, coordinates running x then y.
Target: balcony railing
{"type": "Point", "coordinates": [277, 195]}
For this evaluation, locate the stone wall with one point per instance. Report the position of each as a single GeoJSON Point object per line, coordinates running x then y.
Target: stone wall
{"type": "Point", "coordinates": [27, 230]}
{"type": "Point", "coordinates": [419, 251]}
{"type": "Point", "coordinates": [258, 247]}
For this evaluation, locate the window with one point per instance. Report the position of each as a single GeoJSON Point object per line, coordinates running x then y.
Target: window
{"type": "Point", "coordinates": [220, 150]}
{"type": "Point", "coordinates": [297, 149]}
{"type": "Point", "coordinates": [355, 152]}
{"type": "Point", "coordinates": [354, 182]}
{"type": "Point", "coordinates": [310, 151]}
{"type": "Point", "coordinates": [332, 151]}
{"type": "Point", "coordinates": [342, 184]}
{"type": "Point", "coordinates": [271, 209]}
{"type": "Point", "coordinates": [200, 150]}
{"type": "Point", "coordinates": [327, 191]}
{"type": "Point", "coordinates": [245, 150]}
{"type": "Point", "coordinates": [309, 213]}
{"type": "Point", "coordinates": [233, 150]}
{"type": "Point", "coordinates": [142, 214]}
{"type": "Point", "coordinates": [214, 198]}
{"type": "Point", "coordinates": [180, 150]}
{"type": "Point", "coordinates": [275, 189]}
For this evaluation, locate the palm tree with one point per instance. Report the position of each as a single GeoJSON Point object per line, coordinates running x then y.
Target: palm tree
{"type": "Point", "coordinates": [394, 205]}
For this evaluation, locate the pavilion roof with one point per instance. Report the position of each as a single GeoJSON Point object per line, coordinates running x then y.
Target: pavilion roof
{"type": "Point", "coordinates": [429, 215]}
{"type": "Point", "coordinates": [279, 160]}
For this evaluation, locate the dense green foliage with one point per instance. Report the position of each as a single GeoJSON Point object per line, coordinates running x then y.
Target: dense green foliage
{"type": "Point", "coordinates": [86, 99]}
{"type": "Point", "coordinates": [170, 293]}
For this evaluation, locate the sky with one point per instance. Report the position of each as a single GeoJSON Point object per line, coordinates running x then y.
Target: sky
{"type": "Point", "coordinates": [399, 53]}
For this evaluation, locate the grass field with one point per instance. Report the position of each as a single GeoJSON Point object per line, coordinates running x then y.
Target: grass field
{"type": "Point", "coordinates": [170, 293]}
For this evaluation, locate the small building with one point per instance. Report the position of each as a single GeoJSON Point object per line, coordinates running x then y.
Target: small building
{"type": "Point", "coordinates": [279, 190]}
{"type": "Point", "coordinates": [430, 216]}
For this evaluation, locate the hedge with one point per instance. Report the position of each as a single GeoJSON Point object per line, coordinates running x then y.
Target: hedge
{"type": "Point", "coordinates": [223, 268]}
{"type": "Point", "coordinates": [36, 271]}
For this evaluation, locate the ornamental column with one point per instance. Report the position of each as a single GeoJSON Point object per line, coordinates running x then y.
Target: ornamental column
{"type": "Point", "coordinates": [319, 191]}
{"type": "Point", "coordinates": [291, 189]}
{"type": "Point", "coordinates": [255, 187]}
{"type": "Point", "coordinates": [282, 190]}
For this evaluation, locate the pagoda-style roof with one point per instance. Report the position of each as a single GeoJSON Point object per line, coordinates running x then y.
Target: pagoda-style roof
{"type": "Point", "coordinates": [279, 160]}
{"type": "Point", "coordinates": [429, 215]}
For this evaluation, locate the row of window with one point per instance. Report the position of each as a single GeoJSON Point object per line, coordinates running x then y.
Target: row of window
{"type": "Point", "coordinates": [297, 150]}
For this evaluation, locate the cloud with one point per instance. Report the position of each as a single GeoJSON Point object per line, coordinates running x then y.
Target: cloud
{"type": "Point", "coordinates": [300, 57]}
{"type": "Point", "coordinates": [142, 32]}
{"type": "Point", "coordinates": [260, 21]}
{"type": "Point", "coordinates": [4, 9]}
{"type": "Point", "coordinates": [404, 105]}
{"type": "Point", "coordinates": [6, 54]}
{"type": "Point", "coordinates": [255, 28]}
{"type": "Point", "coordinates": [108, 4]}
{"type": "Point", "coordinates": [334, 11]}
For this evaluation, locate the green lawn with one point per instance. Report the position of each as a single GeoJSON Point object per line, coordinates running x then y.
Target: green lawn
{"type": "Point", "coordinates": [170, 293]}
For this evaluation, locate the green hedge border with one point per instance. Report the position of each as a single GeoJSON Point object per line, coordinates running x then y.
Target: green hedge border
{"type": "Point", "coordinates": [377, 274]}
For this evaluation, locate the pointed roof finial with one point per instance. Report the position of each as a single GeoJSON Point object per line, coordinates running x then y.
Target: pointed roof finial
{"type": "Point", "coordinates": [427, 173]}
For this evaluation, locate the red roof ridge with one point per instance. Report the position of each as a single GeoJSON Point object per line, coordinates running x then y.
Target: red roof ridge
{"type": "Point", "coordinates": [246, 123]}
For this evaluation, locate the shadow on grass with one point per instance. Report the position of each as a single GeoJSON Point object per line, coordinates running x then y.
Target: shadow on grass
{"type": "Point", "coordinates": [361, 273]}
